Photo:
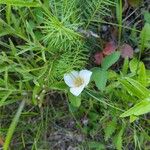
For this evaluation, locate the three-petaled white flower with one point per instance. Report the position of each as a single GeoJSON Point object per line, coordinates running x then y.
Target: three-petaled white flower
{"type": "Point", "coordinates": [77, 81]}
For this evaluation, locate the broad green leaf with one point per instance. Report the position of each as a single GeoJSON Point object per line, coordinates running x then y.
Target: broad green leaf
{"type": "Point", "coordinates": [145, 37]}
{"type": "Point", "coordinates": [141, 108]}
{"type": "Point", "coordinates": [144, 91]}
{"type": "Point", "coordinates": [134, 65]}
{"type": "Point", "coordinates": [142, 77]}
{"type": "Point", "coordinates": [74, 100]}
{"type": "Point", "coordinates": [129, 88]}
{"type": "Point", "coordinates": [135, 88]}
{"type": "Point", "coordinates": [147, 17]}
{"type": "Point", "coordinates": [133, 118]}
{"type": "Point", "coordinates": [100, 77]}
{"type": "Point", "coordinates": [110, 60]}
{"type": "Point", "coordinates": [21, 3]}
{"type": "Point", "coordinates": [112, 75]}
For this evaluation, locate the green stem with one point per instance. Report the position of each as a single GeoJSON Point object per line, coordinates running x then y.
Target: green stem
{"type": "Point", "coordinates": [120, 20]}
{"type": "Point", "coordinates": [104, 102]}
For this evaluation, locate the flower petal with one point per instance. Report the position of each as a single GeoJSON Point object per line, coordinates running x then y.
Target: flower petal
{"type": "Point", "coordinates": [86, 75]}
{"type": "Point", "coordinates": [69, 78]}
{"type": "Point", "coordinates": [74, 73]}
{"type": "Point", "coordinates": [77, 90]}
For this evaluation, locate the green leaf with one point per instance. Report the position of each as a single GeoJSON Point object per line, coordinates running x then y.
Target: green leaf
{"type": "Point", "coordinates": [39, 15]}
{"type": "Point", "coordinates": [145, 37]}
{"type": "Point", "coordinates": [133, 118]}
{"type": "Point", "coordinates": [75, 100]}
{"type": "Point", "coordinates": [58, 86]}
{"type": "Point", "coordinates": [141, 108]}
{"type": "Point", "coordinates": [110, 60]}
{"type": "Point", "coordinates": [3, 99]}
{"type": "Point", "coordinates": [96, 145]}
{"type": "Point", "coordinates": [125, 66]}
{"type": "Point", "coordinates": [142, 77]}
{"type": "Point", "coordinates": [35, 94]}
{"type": "Point", "coordinates": [100, 77]}
{"type": "Point", "coordinates": [118, 139]}
{"type": "Point", "coordinates": [147, 17]}
{"type": "Point", "coordinates": [20, 3]}
{"type": "Point", "coordinates": [110, 129]}
{"type": "Point", "coordinates": [29, 29]}
{"type": "Point", "coordinates": [13, 126]}
{"type": "Point", "coordinates": [135, 88]}
{"type": "Point", "coordinates": [139, 87]}
{"type": "Point", "coordinates": [134, 65]}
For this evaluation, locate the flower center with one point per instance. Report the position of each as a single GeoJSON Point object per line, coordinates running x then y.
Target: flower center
{"type": "Point", "coordinates": [78, 81]}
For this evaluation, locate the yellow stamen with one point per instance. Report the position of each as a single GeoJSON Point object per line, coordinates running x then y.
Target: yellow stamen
{"type": "Point", "coordinates": [78, 81]}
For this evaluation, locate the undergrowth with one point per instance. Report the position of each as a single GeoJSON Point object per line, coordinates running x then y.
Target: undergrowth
{"type": "Point", "coordinates": [41, 41]}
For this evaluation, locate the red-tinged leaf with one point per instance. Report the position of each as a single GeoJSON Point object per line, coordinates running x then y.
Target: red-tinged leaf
{"type": "Point", "coordinates": [110, 47]}
{"type": "Point", "coordinates": [135, 3]}
{"type": "Point", "coordinates": [1, 141]}
{"type": "Point", "coordinates": [98, 58]}
{"type": "Point", "coordinates": [126, 51]}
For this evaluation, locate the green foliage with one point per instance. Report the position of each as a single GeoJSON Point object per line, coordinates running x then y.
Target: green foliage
{"type": "Point", "coordinates": [21, 3]}
{"type": "Point", "coordinates": [96, 146]}
{"type": "Point", "coordinates": [134, 65]}
{"type": "Point", "coordinates": [110, 60]}
{"type": "Point", "coordinates": [119, 10]}
{"type": "Point", "coordinates": [139, 109]}
{"type": "Point", "coordinates": [118, 139]}
{"type": "Point", "coordinates": [110, 129]}
{"type": "Point", "coordinates": [95, 9]}
{"type": "Point", "coordinates": [60, 25]}
{"type": "Point", "coordinates": [74, 100]}
{"type": "Point", "coordinates": [100, 77]}
{"type": "Point", "coordinates": [145, 37]}
{"type": "Point", "coordinates": [135, 88]}
{"type": "Point", "coordinates": [125, 66]}
{"type": "Point", "coordinates": [147, 16]}
{"type": "Point", "coordinates": [13, 125]}
{"type": "Point", "coordinates": [135, 3]}
{"type": "Point", "coordinates": [36, 64]}
{"type": "Point", "coordinates": [40, 41]}
{"type": "Point", "coordinates": [59, 86]}
{"type": "Point", "coordinates": [142, 76]}
{"type": "Point", "coordinates": [73, 59]}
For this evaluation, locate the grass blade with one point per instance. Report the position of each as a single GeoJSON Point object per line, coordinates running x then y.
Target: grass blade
{"type": "Point", "coordinates": [20, 3]}
{"type": "Point", "coordinates": [13, 126]}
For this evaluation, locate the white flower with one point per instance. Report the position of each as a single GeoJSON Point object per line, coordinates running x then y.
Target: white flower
{"type": "Point", "coordinates": [77, 81]}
